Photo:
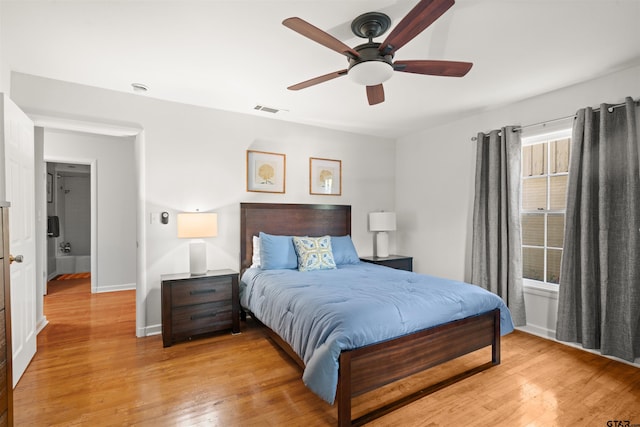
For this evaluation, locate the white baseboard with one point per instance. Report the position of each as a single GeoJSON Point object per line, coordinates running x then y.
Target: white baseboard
{"type": "Point", "coordinates": [115, 288]}
{"type": "Point", "coordinates": [551, 335]}
{"type": "Point", "coordinates": [152, 330]}
{"type": "Point", "coordinates": [41, 324]}
{"type": "Point", "coordinates": [538, 331]}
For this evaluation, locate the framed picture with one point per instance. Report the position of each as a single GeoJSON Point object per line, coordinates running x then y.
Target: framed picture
{"type": "Point", "coordinates": [49, 188]}
{"type": "Point", "coordinates": [266, 172]}
{"type": "Point", "coordinates": [325, 176]}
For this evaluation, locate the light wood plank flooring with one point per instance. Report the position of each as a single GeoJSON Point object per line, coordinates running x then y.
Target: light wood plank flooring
{"type": "Point", "coordinates": [91, 370]}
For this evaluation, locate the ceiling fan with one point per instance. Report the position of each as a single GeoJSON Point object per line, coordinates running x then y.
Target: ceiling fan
{"type": "Point", "coordinates": [371, 63]}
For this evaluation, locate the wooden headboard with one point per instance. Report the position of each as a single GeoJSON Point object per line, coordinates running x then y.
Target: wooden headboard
{"type": "Point", "coordinates": [290, 220]}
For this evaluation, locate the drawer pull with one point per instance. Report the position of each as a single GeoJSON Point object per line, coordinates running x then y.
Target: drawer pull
{"type": "Point", "coordinates": [202, 291]}
{"type": "Point", "coordinates": [202, 316]}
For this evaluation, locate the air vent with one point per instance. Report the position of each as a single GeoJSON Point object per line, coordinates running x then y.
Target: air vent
{"type": "Point", "coordinates": [139, 87]}
{"type": "Point", "coordinates": [266, 109]}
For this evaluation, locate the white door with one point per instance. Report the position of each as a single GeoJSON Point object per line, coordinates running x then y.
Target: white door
{"type": "Point", "coordinates": [20, 192]}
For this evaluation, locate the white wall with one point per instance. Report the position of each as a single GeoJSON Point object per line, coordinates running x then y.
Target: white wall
{"type": "Point", "coordinates": [194, 158]}
{"type": "Point", "coordinates": [75, 219]}
{"type": "Point", "coordinates": [434, 222]}
{"type": "Point", "coordinates": [116, 195]}
{"type": "Point", "coordinates": [4, 88]}
{"type": "Point", "coordinates": [4, 66]}
{"type": "Point", "coordinates": [41, 224]}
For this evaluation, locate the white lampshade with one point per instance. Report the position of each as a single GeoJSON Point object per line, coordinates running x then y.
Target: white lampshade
{"type": "Point", "coordinates": [196, 225]}
{"type": "Point", "coordinates": [370, 73]}
{"type": "Point", "coordinates": [382, 221]}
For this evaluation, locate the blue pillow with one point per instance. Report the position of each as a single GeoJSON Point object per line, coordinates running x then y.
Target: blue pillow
{"type": "Point", "coordinates": [277, 252]}
{"type": "Point", "coordinates": [343, 250]}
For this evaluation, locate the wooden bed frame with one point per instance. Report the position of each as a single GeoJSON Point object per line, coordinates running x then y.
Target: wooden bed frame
{"type": "Point", "coordinates": [360, 369]}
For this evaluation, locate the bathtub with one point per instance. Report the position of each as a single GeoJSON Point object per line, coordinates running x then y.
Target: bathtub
{"type": "Point", "coordinates": [67, 264]}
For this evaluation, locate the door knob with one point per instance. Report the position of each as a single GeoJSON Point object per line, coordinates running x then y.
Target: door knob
{"type": "Point", "coordinates": [17, 258]}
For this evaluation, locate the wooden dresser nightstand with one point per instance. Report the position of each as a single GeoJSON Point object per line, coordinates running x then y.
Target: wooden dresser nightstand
{"type": "Point", "coordinates": [399, 262]}
{"type": "Point", "coordinates": [195, 305]}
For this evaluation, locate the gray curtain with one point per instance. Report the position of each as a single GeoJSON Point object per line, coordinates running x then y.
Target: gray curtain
{"type": "Point", "coordinates": [599, 299]}
{"type": "Point", "coordinates": [496, 262]}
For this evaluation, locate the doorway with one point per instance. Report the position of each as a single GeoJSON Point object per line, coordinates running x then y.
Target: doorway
{"type": "Point", "coordinates": [69, 220]}
{"type": "Point", "coordinates": [114, 153]}
{"type": "Point", "coordinates": [111, 162]}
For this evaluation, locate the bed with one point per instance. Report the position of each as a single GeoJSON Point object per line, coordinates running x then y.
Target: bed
{"type": "Point", "coordinates": [401, 352]}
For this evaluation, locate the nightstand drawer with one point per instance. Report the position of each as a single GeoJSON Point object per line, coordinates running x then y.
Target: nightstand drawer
{"type": "Point", "coordinates": [202, 318]}
{"type": "Point", "coordinates": [201, 291]}
{"type": "Point", "coordinates": [400, 264]}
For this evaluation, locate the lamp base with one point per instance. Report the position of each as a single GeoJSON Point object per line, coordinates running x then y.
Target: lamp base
{"type": "Point", "coordinates": [197, 258]}
{"type": "Point", "coordinates": [382, 244]}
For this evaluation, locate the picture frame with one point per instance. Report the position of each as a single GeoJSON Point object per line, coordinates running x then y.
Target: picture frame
{"type": "Point", "coordinates": [266, 172]}
{"type": "Point", "coordinates": [49, 188]}
{"type": "Point", "coordinates": [325, 176]}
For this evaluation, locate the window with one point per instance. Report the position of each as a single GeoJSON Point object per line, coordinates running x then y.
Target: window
{"type": "Point", "coordinates": [545, 170]}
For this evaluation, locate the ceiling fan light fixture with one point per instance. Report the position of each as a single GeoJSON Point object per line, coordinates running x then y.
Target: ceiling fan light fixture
{"type": "Point", "coordinates": [370, 73]}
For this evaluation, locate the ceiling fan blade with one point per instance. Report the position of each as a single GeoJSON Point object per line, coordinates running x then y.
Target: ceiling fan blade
{"type": "Point", "coordinates": [375, 94]}
{"type": "Point", "coordinates": [415, 22]}
{"type": "Point", "coordinates": [316, 80]}
{"type": "Point", "coordinates": [317, 35]}
{"type": "Point", "coordinates": [434, 68]}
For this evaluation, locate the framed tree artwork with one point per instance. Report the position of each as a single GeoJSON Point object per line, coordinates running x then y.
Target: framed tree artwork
{"type": "Point", "coordinates": [325, 176]}
{"type": "Point", "coordinates": [266, 172]}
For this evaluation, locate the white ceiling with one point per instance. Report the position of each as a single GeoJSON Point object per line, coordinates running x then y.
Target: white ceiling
{"type": "Point", "coordinates": [233, 55]}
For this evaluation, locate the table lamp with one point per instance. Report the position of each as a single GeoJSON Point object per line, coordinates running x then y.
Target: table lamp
{"type": "Point", "coordinates": [197, 225]}
{"type": "Point", "coordinates": [381, 222]}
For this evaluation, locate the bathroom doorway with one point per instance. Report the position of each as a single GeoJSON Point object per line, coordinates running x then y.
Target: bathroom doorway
{"type": "Point", "coordinates": [68, 220]}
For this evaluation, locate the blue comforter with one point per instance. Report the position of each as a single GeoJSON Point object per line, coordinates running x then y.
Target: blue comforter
{"type": "Point", "coordinates": [320, 313]}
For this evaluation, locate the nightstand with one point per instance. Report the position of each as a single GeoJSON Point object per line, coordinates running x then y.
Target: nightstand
{"type": "Point", "coordinates": [196, 305]}
{"type": "Point", "coordinates": [399, 262]}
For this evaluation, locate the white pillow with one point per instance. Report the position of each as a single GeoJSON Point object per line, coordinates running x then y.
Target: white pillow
{"type": "Point", "coordinates": [255, 258]}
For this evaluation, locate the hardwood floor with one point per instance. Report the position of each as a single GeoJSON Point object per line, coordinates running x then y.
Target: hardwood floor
{"type": "Point", "coordinates": [90, 369]}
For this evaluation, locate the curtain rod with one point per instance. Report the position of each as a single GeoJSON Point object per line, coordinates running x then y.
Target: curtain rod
{"type": "Point", "coordinates": [573, 116]}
